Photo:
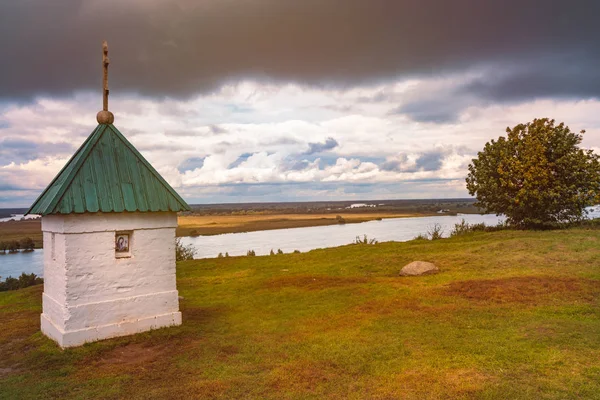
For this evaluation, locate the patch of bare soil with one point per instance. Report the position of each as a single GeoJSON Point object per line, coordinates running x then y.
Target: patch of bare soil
{"type": "Point", "coordinates": [390, 305]}
{"type": "Point", "coordinates": [202, 315]}
{"type": "Point", "coordinates": [526, 289]}
{"type": "Point", "coordinates": [132, 354]}
{"type": "Point", "coordinates": [7, 371]}
{"type": "Point", "coordinates": [302, 376]}
{"type": "Point", "coordinates": [312, 282]}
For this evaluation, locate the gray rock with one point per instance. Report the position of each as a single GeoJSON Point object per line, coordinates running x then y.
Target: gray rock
{"type": "Point", "coordinates": [417, 268]}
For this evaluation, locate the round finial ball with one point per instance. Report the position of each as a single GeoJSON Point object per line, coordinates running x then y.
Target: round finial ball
{"type": "Point", "coordinates": [105, 117]}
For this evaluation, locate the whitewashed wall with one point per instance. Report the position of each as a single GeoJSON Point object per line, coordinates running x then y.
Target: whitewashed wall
{"type": "Point", "coordinates": [89, 294]}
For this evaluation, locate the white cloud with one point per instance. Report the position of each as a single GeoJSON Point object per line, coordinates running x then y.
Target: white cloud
{"type": "Point", "coordinates": [260, 134]}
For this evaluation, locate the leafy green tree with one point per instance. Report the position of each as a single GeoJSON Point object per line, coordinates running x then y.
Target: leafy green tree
{"type": "Point", "coordinates": [537, 176]}
{"type": "Point", "coordinates": [25, 280]}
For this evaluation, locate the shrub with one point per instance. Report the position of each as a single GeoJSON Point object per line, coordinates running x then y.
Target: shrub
{"type": "Point", "coordinates": [464, 227]}
{"type": "Point", "coordinates": [435, 232]}
{"type": "Point", "coordinates": [251, 253]}
{"type": "Point", "coordinates": [25, 280]}
{"type": "Point", "coordinates": [27, 244]}
{"type": "Point", "coordinates": [220, 255]}
{"type": "Point", "coordinates": [296, 251]}
{"type": "Point", "coordinates": [365, 240]}
{"type": "Point", "coordinates": [420, 236]}
{"type": "Point", "coordinates": [460, 228]}
{"type": "Point", "coordinates": [183, 253]}
{"type": "Point", "coordinates": [13, 246]}
{"type": "Point", "coordinates": [226, 254]}
{"type": "Point", "coordinates": [3, 247]}
{"type": "Point", "coordinates": [272, 253]}
{"type": "Point", "coordinates": [279, 251]}
{"type": "Point", "coordinates": [340, 219]}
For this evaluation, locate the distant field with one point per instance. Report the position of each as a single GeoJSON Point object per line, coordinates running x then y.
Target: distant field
{"type": "Point", "coordinates": [512, 315]}
{"type": "Point", "coordinates": [191, 225]}
{"type": "Point", "coordinates": [18, 230]}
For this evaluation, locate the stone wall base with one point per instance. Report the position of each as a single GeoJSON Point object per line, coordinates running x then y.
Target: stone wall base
{"type": "Point", "coordinates": [81, 336]}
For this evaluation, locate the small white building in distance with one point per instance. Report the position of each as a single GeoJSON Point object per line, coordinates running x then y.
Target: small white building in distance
{"type": "Point", "coordinates": [108, 220]}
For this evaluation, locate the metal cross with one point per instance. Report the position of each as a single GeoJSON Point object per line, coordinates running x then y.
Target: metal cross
{"type": "Point", "coordinates": [105, 62]}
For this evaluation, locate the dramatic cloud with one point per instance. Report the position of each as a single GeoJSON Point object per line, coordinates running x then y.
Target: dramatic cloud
{"type": "Point", "coordinates": [271, 100]}
{"type": "Point", "coordinates": [280, 153]}
{"type": "Point", "coordinates": [182, 47]}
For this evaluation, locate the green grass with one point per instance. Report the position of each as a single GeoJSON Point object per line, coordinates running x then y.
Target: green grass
{"type": "Point", "coordinates": [511, 315]}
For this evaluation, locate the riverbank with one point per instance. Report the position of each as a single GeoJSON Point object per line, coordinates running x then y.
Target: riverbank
{"type": "Point", "coordinates": [19, 230]}
{"type": "Point", "coordinates": [206, 225]}
{"type": "Point", "coordinates": [513, 314]}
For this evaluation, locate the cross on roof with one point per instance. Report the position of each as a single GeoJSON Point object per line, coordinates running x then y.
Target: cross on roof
{"type": "Point", "coordinates": [105, 116]}
{"type": "Point", "coordinates": [105, 62]}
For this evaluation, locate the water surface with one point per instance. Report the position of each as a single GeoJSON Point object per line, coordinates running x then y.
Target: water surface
{"type": "Point", "coordinates": [305, 239]}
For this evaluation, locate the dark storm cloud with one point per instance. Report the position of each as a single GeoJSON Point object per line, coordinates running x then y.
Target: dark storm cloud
{"type": "Point", "coordinates": [441, 109]}
{"type": "Point", "coordinates": [328, 144]}
{"type": "Point", "coordinates": [178, 48]}
{"type": "Point", "coordinates": [577, 77]}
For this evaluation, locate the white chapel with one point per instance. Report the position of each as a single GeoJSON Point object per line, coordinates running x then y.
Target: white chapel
{"type": "Point", "coordinates": [108, 222]}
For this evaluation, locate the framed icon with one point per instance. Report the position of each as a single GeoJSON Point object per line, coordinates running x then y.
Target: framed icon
{"type": "Point", "coordinates": [122, 244]}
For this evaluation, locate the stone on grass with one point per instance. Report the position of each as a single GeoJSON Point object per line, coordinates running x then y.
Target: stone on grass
{"type": "Point", "coordinates": [417, 268]}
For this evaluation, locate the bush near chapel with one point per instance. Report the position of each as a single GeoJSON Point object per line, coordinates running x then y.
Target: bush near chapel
{"type": "Point", "coordinates": [537, 176]}
{"type": "Point", "coordinates": [183, 253]}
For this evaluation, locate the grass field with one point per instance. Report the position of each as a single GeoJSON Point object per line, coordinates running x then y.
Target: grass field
{"type": "Point", "coordinates": [512, 315]}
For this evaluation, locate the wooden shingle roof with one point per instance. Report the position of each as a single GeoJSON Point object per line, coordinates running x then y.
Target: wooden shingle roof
{"type": "Point", "coordinates": [107, 174]}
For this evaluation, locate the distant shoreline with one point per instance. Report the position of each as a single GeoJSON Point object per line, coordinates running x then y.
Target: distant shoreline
{"type": "Point", "coordinates": [208, 220]}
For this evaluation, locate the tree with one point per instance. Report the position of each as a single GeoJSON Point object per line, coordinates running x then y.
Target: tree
{"type": "Point", "coordinates": [27, 244]}
{"type": "Point", "coordinates": [13, 246]}
{"type": "Point", "coordinates": [3, 247]}
{"type": "Point", "coordinates": [537, 176]}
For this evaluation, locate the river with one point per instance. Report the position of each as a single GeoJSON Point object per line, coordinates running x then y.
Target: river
{"type": "Point", "coordinates": [288, 240]}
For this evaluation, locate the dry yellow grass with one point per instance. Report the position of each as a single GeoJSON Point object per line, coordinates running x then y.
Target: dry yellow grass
{"type": "Point", "coordinates": [18, 230]}
{"type": "Point", "coordinates": [217, 224]}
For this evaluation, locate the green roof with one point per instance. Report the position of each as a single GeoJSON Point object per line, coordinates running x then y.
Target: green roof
{"type": "Point", "coordinates": [107, 174]}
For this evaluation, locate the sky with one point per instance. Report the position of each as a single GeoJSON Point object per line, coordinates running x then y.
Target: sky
{"type": "Point", "coordinates": [287, 100]}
